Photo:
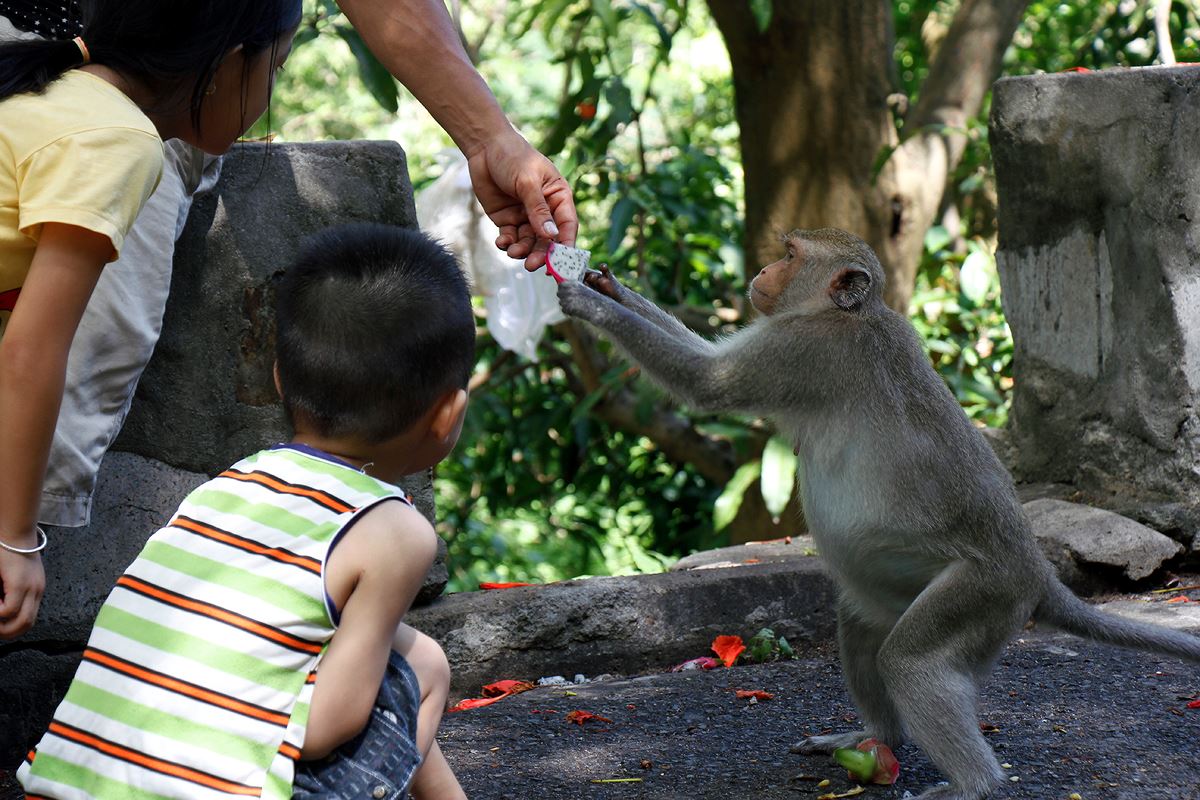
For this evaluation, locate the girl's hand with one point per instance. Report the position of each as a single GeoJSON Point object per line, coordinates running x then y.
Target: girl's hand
{"type": "Point", "coordinates": [22, 582]}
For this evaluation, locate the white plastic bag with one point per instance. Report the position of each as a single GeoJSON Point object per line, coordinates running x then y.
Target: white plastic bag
{"type": "Point", "coordinates": [519, 304]}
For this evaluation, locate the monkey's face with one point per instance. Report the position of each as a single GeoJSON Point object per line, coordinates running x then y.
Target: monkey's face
{"type": "Point", "coordinates": [767, 288]}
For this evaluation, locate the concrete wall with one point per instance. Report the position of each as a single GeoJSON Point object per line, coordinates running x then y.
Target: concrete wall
{"type": "Point", "coordinates": [1099, 217]}
{"type": "Point", "coordinates": [207, 398]}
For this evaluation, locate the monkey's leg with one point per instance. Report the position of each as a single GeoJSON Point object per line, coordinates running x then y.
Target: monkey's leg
{"type": "Point", "coordinates": [859, 642]}
{"type": "Point", "coordinates": [932, 663]}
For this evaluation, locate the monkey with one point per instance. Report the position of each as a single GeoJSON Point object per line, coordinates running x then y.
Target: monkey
{"type": "Point", "coordinates": [917, 520]}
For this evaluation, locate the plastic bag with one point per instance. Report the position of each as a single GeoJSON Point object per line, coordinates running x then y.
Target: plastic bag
{"type": "Point", "coordinates": [519, 304]}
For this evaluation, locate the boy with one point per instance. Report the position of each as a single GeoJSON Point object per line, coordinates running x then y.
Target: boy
{"type": "Point", "coordinates": [255, 646]}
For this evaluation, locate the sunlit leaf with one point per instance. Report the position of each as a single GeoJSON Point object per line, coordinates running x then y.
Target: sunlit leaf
{"type": "Point", "coordinates": [375, 77]}
{"type": "Point", "coordinates": [778, 475]}
{"type": "Point", "coordinates": [975, 275]}
{"type": "Point", "coordinates": [730, 500]}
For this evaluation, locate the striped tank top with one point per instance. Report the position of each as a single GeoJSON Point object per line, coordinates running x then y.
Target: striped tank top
{"type": "Point", "coordinates": [197, 677]}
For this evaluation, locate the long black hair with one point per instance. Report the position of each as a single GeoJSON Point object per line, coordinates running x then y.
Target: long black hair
{"type": "Point", "coordinates": [173, 47]}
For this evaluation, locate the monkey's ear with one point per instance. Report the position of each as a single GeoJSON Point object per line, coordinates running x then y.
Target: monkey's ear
{"type": "Point", "coordinates": [850, 287]}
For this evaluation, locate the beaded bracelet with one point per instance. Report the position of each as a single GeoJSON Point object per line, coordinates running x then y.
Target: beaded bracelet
{"type": "Point", "coordinates": [26, 551]}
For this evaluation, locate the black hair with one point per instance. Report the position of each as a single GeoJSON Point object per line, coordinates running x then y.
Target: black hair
{"type": "Point", "coordinates": [374, 327]}
{"type": "Point", "coordinates": [173, 47]}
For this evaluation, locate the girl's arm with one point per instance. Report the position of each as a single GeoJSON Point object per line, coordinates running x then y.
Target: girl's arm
{"type": "Point", "coordinates": [373, 576]}
{"type": "Point", "coordinates": [33, 363]}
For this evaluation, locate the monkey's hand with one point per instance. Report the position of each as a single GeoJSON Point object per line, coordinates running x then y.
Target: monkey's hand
{"type": "Point", "coordinates": [582, 301]}
{"type": "Point", "coordinates": [604, 282]}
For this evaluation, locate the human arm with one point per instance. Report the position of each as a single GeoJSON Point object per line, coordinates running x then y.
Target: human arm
{"type": "Point", "coordinates": [520, 190]}
{"type": "Point", "coordinates": [373, 575]}
{"type": "Point", "coordinates": [33, 362]}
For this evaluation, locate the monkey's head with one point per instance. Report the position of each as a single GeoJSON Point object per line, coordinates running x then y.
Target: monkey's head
{"type": "Point", "coordinates": [826, 269]}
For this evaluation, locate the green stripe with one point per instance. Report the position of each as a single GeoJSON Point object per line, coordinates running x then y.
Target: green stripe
{"type": "Point", "coordinates": [190, 732]}
{"type": "Point", "coordinates": [232, 662]}
{"type": "Point", "coordinates": [350, 478]}
{"type": "Point", "coordinates": [276, 788]}
{"type": "Point", "coordinates": [300, 605]}
{"type": "Point", "coordinates": [265, 514]}
{"type": "Point", "coordinates": [61, 771]}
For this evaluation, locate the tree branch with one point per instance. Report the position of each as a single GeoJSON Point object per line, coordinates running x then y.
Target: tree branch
{"type": "Point", "coordinates": [672, 432]}
{"type": "Point", "coordinates": [965, 66]}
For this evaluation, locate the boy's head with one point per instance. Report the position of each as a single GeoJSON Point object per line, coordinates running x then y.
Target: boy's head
{"type": "Point", "coordinates": [374, 330]}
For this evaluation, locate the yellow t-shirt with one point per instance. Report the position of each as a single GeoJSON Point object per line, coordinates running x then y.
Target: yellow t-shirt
{"type": "Point", "coordinates": [80, 153]}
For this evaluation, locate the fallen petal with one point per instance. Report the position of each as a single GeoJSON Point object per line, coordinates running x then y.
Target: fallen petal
{"type": "Point", "coordinates": [728, 648]}
{"type": "Point", "coordinates": [746, 694]}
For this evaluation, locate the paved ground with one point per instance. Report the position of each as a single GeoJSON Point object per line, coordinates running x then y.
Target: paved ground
{"type": "Point", "coordinates": [1072, 717]}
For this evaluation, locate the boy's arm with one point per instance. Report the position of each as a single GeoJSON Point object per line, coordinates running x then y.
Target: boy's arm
{"type": "Point", "coordinates": [374, 574]}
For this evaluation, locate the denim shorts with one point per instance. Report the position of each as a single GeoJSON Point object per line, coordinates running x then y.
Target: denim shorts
{"type": "Point", "coordinates": [380, 762]}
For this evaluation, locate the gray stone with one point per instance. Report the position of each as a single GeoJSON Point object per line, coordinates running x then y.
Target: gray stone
{"type": "Point", "coordinates": [624, 624]}
{"type": "Point", "coordinates": [1099, 217]}
{"type": "Point", "coordinates": [1073, 534]}
{"type": "Point", "coordinates": [208, 398]}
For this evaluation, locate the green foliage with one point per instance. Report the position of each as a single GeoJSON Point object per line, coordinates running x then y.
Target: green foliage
{"type": "Point", "coordinates": [958, 315]}
{"type": "Point", "coordinates": [765, 646]}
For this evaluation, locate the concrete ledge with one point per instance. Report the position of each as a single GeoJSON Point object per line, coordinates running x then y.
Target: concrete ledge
{"type": "Point", "coordinates": [627, 624]}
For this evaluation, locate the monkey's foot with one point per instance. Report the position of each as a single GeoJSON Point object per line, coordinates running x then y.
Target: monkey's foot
{"type": "Point", "coordinates": [827, 744]}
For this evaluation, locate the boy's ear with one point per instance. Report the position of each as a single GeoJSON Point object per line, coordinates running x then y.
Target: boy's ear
{"type": "Point", "coordinates": [278, 383]}
{"type": "Point", "coordinates": [447, 413]}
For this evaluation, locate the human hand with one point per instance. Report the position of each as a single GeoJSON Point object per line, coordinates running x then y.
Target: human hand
{"type": "Point", "coordinates": [22, 583]}
{"type": "Point", "coordinates": [524, 194]}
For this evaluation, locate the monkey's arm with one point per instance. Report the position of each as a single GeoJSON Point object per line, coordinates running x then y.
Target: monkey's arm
{"type": "Point", "coordinates": [736, 374]}
{"type": "Point", "coordinates": [604, 283]}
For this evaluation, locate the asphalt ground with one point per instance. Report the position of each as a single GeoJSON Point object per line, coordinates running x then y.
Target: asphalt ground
{"type": "Point", "coordinates": [1067, 716]}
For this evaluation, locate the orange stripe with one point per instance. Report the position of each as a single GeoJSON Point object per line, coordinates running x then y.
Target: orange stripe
{"type": "Point", "coordinates": [30, 756]}
{"type": "Point", "coordinates": [276, 553]}
{"type": "Point", "coordinates": [187, 689]}
{"type": "Point", "coordinates": [312, 678]}
{"type": "Point", "coordinates": [154, 764]}
{"type": "Point", "coordinates": [220, 615]}
{"type": "Point", "coordinates": [322, 498]}
{"type": "Point", "coordinates": [290, 751]}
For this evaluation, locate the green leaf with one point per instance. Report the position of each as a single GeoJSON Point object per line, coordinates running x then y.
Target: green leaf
{"type": "Point", "coordinates": [607, 15]}
{"type": "Point", "coordinates": [664, 36]}
{"type": "Point", "coordinates": [378, 80]}
{"type": "Point", "coordinates": [778, 475]}
{"type": "Point", "coordinates": [761, 9]}
{"type": "Point", "coordinates": [618, 222]}
{"type": "Point", "coordinates": [936, 238]}
{"type": "Point", "coordinates": [975, 275]}
{"type": "Point", "coordinates": [726, 506]}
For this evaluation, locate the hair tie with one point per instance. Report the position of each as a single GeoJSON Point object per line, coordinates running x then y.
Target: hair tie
{"type": "Point", "coordinates": [83, 51]}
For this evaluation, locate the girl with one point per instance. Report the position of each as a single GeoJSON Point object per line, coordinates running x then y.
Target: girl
{"type": "Point", "coordinates": [82, 123]}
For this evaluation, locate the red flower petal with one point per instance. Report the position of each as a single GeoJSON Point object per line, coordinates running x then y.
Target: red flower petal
{"type": "Point", "coordinates": [728, 648]}
{"type": "Point", "coordinates": [580, 717]}
{"type": "Point", "coordinates": [746, 694]}
{"type": "Point", "coordinates": [504, 585]}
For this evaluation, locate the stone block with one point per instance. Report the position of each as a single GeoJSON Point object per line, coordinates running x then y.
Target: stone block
{"type": "Point", "coordinates": [1070, 532]}
{"type": "Point", "coordinates": [625, 624]}
{"type": "Point", "coordinates": [1099, 216]}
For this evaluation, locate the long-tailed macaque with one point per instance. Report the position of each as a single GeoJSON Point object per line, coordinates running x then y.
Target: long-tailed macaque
{"type": "Point", "coordinates": [918, 521]}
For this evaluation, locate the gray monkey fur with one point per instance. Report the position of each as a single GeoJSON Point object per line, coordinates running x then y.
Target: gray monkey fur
{"type": "Point", "coordinates": [916, 518]}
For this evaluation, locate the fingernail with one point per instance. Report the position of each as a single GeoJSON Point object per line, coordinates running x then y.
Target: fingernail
{"type": "Point", "coordinates": [550, 228]}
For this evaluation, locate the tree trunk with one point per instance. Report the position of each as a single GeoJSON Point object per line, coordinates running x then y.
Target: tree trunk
{"type": "Point", "coordinates": [814, 96]}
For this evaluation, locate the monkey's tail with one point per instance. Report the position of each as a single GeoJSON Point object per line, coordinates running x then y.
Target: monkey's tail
{"type": "Point", "coordinates": [1060, 608]}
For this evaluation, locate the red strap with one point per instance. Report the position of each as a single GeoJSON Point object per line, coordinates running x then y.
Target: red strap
{"type": "Point", "coordinates": [8, 300]}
